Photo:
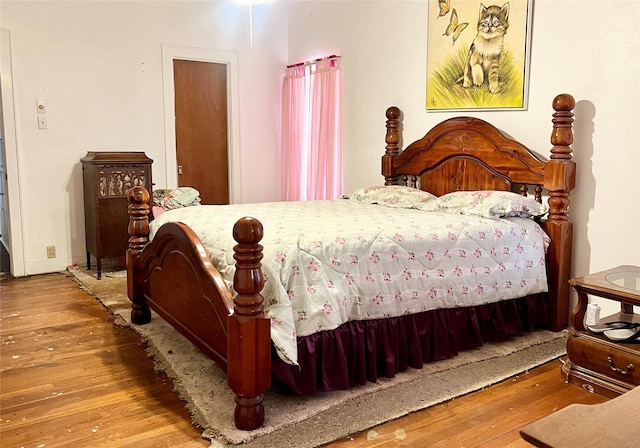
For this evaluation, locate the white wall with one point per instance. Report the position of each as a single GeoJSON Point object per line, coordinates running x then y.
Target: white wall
{"type": "Point", "coordinates": [586, 48]}
{"type": "Point", "coordinates": [98, 66]}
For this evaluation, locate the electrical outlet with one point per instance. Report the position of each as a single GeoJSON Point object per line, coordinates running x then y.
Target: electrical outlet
{"type": "Point", "coordinates": [51, 251]}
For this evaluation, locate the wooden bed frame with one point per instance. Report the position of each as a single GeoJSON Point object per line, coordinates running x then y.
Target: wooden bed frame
{"type": "Point", "coordinates": [174, 276]}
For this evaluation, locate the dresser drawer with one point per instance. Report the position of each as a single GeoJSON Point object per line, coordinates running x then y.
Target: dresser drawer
{"type": "Point", "coordinates": [617, 361]}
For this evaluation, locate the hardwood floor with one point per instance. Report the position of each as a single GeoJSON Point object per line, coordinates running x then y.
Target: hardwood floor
{"type": "Point", "coordinates": [70, 377]}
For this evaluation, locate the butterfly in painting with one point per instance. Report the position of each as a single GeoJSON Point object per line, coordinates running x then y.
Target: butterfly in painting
{"type": "Point", "coordinates": [444, 6]}
{"type": "Point", "coordinates": [454, 29]}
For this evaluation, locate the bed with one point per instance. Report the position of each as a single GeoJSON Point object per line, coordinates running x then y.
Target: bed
{"type": "Point", "coordinates": [217, 298]}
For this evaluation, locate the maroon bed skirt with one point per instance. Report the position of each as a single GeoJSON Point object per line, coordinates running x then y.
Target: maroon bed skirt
{"type": "Point", "coordinates": [362, 351]}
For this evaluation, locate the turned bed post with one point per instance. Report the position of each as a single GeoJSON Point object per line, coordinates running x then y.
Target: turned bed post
{"type": "Point", "coordinates": [393, 139]}
{"type": "Point", "coordinates": [139, 237]}
{"type": "Point", "coordinates": [559, 180]}
{"type": "Point", "coordinates": [249, 331]}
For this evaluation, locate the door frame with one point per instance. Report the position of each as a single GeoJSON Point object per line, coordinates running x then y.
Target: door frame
{"type": "Point", "coordinates": [230, 59]}
{"type": "Point", "coordinates": [11, 160]}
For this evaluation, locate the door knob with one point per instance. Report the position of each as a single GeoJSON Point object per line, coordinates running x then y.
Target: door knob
{"type": "Point", "coordinates": [180, 169]}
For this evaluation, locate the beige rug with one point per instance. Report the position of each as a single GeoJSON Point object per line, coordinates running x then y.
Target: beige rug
{"type": "Point", "coordinates": [328, 416]}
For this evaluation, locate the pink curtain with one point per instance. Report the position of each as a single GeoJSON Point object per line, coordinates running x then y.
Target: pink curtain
{"type": "Point", "coordinates": [325, 151]}
{"type": "Point", "coordinates": [312, 131]}
{"type": "Point", "coordinates": [293, 115]}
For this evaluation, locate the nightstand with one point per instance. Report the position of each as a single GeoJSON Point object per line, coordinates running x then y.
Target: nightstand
{"type": "Point", "coordinates": [593, 361]}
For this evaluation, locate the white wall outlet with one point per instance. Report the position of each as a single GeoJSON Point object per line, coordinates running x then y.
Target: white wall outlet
{"type": "Point", "coordinates": [42, 122]}
{"type": "Point", "coordinates": [41, 106]}
{"type": "Point", "coordinates": [51, 251]}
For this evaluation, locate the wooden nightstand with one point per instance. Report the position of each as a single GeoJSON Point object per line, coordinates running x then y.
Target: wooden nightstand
{"type": "Point", "coordinates": [107, 178]}
{"type": "Point", "coordinates": [593, 361]}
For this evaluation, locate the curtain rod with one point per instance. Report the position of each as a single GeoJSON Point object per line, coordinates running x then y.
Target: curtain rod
{"type": "Point", "coordinates": [299, 64]}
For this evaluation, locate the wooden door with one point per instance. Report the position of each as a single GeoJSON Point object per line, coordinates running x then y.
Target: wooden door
{"type": "Point", "coordinates": [202, 142]}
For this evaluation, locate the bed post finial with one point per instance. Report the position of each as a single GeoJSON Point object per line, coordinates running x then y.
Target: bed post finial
{"type": "Point", "coordinates": [248, 330]}
{"type": "Point", "coordinates": [560, 171]}
{"type": "Point", "coordinates": [138, 237]}
{"type": "Point", "coordinates": [559, 180]}
{"type": "Point", "coordinates": [562, 135]}
{"type": "Point", "coordinates": [248, 280]}
{"type": "Point", "coordinates": [394, 144]}
{"type": "Point", "coordinates": [138, 218]}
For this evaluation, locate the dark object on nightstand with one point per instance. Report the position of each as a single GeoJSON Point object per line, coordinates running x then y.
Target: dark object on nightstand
{"type": "Point", "coordinates": [107, 178]}
{"type": "Point", "coordinates": [595, 361]}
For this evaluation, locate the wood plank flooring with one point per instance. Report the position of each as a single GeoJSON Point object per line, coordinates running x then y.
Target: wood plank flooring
{"type": "Point", "coordinates": [70, 377]}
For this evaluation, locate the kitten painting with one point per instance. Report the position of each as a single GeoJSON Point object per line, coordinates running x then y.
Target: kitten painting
{"type": "Point", "coordinates": [478, 54]}
{"type": "Point", "coordinates": [483, 60]}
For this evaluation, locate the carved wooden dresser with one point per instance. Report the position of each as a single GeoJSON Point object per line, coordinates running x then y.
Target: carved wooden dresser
{"type": "Point", "coordinates": [107, 178]}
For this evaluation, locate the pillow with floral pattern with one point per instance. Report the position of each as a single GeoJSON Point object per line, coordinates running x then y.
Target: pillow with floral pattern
{"type": "Point", "coordinates": [392, 196]}
{"type": "Point", "coordinates": [489, 204]}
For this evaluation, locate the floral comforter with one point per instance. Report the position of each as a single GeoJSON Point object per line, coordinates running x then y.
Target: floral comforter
{"type": "Point", "coordinates": [328, 262]}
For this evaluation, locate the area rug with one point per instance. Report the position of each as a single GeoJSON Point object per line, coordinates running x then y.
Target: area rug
{"type": "Point", "coordinates": [328, 416]}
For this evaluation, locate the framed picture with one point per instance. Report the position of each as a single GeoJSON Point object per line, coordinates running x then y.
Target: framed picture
{"type": "Point", "coordinates": [478, 54]}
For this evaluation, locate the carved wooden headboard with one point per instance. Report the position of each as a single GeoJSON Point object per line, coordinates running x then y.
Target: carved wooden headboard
{"type": "Point", "coordinates": [467, 153]}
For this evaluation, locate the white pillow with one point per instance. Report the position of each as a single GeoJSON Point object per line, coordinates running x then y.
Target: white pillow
{"type": "Point", "coordinates": [392, 196]}
{"type": "Point", "coordinates": [488, 204]}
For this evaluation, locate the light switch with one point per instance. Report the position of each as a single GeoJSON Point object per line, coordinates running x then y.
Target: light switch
{"type": "Point", "coordinates": [42, 122]}
{"type": "Point", "coordinates": [41, 106]}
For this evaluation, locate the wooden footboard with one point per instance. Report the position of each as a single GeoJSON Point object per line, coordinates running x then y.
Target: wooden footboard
{"type": "Point", "coordinates": [173, 276]}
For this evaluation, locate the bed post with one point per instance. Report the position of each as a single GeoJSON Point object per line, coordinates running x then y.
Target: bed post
{"type": "Point", "coordinates": [394, 145]}
{"type": "Point", "coordinates": [248, 330]}
{"type": "Point", "coordinates": [559, 180]}
{"type": "Point", "coordinates": [139, 236]}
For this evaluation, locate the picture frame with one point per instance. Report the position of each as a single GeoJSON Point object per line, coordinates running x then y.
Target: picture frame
{"type": "Point", "coordinates": [478, 54]}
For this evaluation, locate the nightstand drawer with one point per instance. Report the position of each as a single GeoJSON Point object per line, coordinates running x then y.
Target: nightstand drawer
{"type": "Point", "coordinates": [599, 355]}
